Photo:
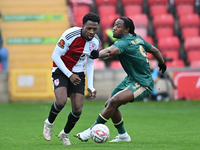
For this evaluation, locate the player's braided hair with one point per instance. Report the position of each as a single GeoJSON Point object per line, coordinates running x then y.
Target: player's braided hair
{"type": "Point", "coordinates": [128, 23]}
{"type": "Point", "coordinates": [92, 17]}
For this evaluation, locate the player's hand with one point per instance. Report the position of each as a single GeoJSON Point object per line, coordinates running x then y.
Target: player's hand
{"type": "Point", "coordinates": [162, 67]}
{"type": "Point", "coordinates": [75, 79]}
{"type": "Point", "coordinates": [94, 54]}
{"type": "Point", "coordinates": [92, 94]}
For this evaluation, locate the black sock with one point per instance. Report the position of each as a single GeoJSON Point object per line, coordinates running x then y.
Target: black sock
{"type": "Point", "coordinates": [53, 113]}
{"type": "Point", "coordinates": [72, 119]}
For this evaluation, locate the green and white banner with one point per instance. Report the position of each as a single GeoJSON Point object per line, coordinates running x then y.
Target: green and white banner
{"type": "Point", "coordinates": [32, 40]}
{"type": "Point", "coordinates": [33, 17]}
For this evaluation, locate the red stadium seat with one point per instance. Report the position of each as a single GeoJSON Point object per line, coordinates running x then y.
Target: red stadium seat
{"type": "Point", "coordinates": [195, 63]}
{"type": "Point", "coordinates": [179, 2]}
{"type": "Point", "coordinates": [161, 32]}
{"type": "Point", "coordinates": [174, 55]}
{"type": "Point", "coordinates": [175, 64]}
{"type": "Point", "coordinates": [158, 10]}
{"type": "Point", "coordinates": [150, 56]}
{"type": "Point", "coordinates": [79, 10]}
{"type": "Point", "coordinates": [190, 20]}
{"type": "Point", "coordinates": [140, 20]}
{"type": "Point", "coordinates": [130, 2]}
{"type": "Point", "coordinates": [157, 2]}
{"type": "Point", "coordinates": [165, 20]}
{"type": "Point", "coordinates": [105, 2]}
{"type": "Point", "coordinates": [132, 9]}
{"type": "Point", "coordinates": [105, 10]}
{"type": "Point", "coordinates": [190, 32]}
{"type": "Point", "coordinates": [184, 9]}
{"type": "Point", "coordinates": [193, 55]}
{"type": "Point", "coordinates": [192, 43]}
{"type": "Point", "coordinates": [141, 31]}
{"type": "Point", "coordinates": [141, 24]}
{"type": "Point", "coordinates": [149, 39]}
{"type": "Point", "coordinates": [75, 2]}
{"type": "Point", "coordinates": [115, 64]}
{"type": "Point", "coordinates": [169, 44]}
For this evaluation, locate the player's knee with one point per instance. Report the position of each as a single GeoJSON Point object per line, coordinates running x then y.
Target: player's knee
{"type": "Point", "coordinates": [77, 112]}
{"type": "Point", "coordinates": [61, 101]}
{"type": "Point", "coordinates": [113, 102]}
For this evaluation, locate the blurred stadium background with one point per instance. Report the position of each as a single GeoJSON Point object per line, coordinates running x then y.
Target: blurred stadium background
{"type": "Point", "coordinates": [31, 28]}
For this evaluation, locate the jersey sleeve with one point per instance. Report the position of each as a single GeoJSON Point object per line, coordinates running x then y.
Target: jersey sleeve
{"type": "Point", "coordinates": [121, 45]}
{"type": "Point", "coordinates": [147, 45]}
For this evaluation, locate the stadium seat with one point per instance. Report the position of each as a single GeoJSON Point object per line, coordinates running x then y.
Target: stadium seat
{"type": "Point", "coordinates": [140, 20]}
{"type": "Point", "coordinates": [190, 20]}
{"type": "Point", "coordinates": [157, 2]}
{"type": "Point", "coordinates": [132, 9]}
{"type": "Point", "coordinates": [141, 31]}
{"type": "Point", "coordinates": [105, 10]}
{"type": "Point", "coordinates": [192, 43]}
{"type": "Point", "coordinates": [175, 64]}
{"type": "Point", "coordinates": [131, 2]}
{"type": "Point", "coordinates": [179, 2]}
{"type": "Point", "coordinates": [174, 55]}
{"type": "Point", "coordinates": [189, 32]}
{"type": "Point", "coordinates": [165, 20]}
{"type": "Point", "coordinates": [105, 2]}
{"type": "Point", "coordinates": [99, 64]}
{"type": "Point", "coordinates": [79, 10]}
{"type": "Point", "coordinates": [184, 9]}
{"type": "Point", "coordinates": [193, 55]}
{"type": "Point", "coordinates": [141, 24]}
{"type": "Point", "coordinates": [169, 44]}
{"type": "Point", "coordinates": [115, 64]}
{"type": "Point", "coordinates": [150, 56]}
{"type": "Point", "coordinates": [161, 32]}
{"type": "Point", "coordinates": [158, 10]}
{"type": "Point", "coordinates": [149, 39]}
{"type": "Point", "coordinates": [195, 63]}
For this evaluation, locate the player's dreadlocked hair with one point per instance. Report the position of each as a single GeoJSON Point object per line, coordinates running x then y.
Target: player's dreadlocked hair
{"type": "Point", "coordinates": [128, 23]}
{"type": "Point", "coordinates": [92, 17]}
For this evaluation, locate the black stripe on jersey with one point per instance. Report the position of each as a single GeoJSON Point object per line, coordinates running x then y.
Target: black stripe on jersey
{"type": "Point", "coordinates": [74, 33]}
{"type": "Point", "coordinates": [97, 37]}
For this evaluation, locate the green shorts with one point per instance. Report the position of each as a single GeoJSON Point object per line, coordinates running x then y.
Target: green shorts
{"type": "Point", "coordinates": [139, 91]}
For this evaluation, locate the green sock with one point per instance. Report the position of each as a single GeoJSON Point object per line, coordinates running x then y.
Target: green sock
{"type": "Point", "coordinates": [120, 127]}
{"type": "Point", "coordinates": [100, 119]}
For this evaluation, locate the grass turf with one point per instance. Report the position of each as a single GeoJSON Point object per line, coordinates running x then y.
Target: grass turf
{"type": "Point", "coordinates": [152, 125]}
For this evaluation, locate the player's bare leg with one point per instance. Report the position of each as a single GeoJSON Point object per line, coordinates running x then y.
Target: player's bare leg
{"type": "Point", "coordinates": [77, 101]}
{"type": "Point", "coordinates": [112, 105]}
{"type": "Point", "coordinates": [61, 99]}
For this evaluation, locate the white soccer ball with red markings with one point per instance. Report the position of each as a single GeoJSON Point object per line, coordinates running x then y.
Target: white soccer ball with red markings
{"type": "Point", "coordinates": [100, 133]}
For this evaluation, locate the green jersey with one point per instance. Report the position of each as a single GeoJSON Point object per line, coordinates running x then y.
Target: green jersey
{"type": "Point", "coordinates": [132, 55]}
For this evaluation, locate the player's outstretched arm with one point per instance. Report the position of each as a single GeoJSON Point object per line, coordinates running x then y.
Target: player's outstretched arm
{"type": "Point", "coordinates": [110, 51]}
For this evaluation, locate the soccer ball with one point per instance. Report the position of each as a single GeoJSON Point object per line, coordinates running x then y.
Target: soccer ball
{"type": "Point", "coordinates": [100, 133]}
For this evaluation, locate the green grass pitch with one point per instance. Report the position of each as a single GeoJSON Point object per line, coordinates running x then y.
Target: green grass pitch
{"type": "Point", "coordinates": [173, 125]}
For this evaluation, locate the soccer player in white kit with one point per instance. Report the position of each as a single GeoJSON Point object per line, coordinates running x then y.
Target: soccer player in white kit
{"type": "Point", "coordinates": [75, 46]}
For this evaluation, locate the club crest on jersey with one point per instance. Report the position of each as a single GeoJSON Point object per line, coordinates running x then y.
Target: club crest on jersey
{"type": "Point", "coordinates": [61, 43]}
{"type": "Point", "coordinates": [56, 82]}
{"type": "Point", "coordinates": [91, 46]}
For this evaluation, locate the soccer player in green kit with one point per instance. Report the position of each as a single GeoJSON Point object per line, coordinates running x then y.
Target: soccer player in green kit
{"type": "Point", "coordinates": [138, 84]}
